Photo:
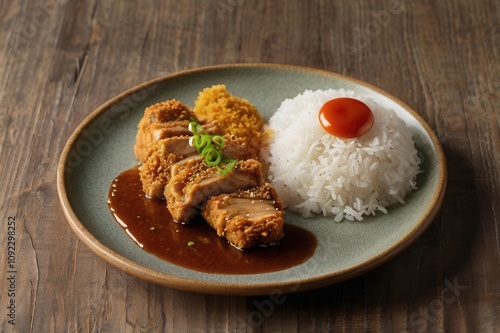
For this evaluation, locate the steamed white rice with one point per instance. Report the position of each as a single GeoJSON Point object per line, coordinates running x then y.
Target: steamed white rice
{"type": "Point", "coordinates": [317, 173]}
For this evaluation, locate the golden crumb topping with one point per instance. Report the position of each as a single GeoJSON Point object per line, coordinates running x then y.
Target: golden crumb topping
{"type": "Point", "coordinates": [234, 115]}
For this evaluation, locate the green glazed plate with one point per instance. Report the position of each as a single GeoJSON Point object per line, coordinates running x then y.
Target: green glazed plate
{"type": "Point", "coordinates": [101, 147]}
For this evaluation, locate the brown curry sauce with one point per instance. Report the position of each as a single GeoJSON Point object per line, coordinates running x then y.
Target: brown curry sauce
{"type": "Point", "coordinates": [197, 246]}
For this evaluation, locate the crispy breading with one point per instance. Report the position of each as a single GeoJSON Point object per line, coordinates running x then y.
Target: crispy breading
{"type": "Point", "coordinates": [247, 218]}
{"type": "Point", "coordinates": [170, 154]}
{"type": "Point", "coordinates": [161, 120]}
{"type": "Point", "coordinates": [234, 115]}
{"type": "Point", "coordinates": [155, 172]}
{"type": "Point", "coordinates": [196, 182]}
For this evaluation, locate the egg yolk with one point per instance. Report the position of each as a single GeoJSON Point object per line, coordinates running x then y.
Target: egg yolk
{"type": "Point", "coordinates": [346, 118]}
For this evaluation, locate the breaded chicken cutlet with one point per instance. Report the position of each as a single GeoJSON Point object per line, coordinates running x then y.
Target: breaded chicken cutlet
{"type": "Point", "coordinates": [247, 218]}
{"type": "Point", "coordinates": [157, 169]}
{"type": "Point", "coordinates": [172, 168]}
{"type": "Point", "coordinates": [162, 120]}
{"type": "Point", "coordinates": [196, 182]}
{"type": "Point", "coordinates": [169, 154]}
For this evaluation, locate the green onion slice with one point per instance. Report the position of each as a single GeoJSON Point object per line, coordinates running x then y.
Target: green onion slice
{"type": "Point", "coordinates": [210, 147]}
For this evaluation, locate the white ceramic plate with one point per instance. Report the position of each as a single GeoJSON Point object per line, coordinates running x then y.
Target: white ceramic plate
{"type": "Point", "coordinates": [101, 148]}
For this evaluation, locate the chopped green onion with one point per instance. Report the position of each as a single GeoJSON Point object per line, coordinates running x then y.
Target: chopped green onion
{"type": "Point", "coordinates": [210, 146]}
{"type": "Point", "coordinates": [212, 156]}
{"type": "Point", "coordinates": [230, 163]}
{"type": "Point", "coordinates": [218, 140]}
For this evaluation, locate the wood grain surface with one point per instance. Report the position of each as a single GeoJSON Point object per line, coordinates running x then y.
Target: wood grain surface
{"type": "Point", "coordinates": [60, 59]}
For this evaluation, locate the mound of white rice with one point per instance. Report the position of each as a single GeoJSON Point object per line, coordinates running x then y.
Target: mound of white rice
{"type": "Point", "coordinates": [317, 173]}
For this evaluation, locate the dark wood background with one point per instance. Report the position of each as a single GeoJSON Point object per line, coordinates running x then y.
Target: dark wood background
{"type": "Point", "coordinates": [60, 59]}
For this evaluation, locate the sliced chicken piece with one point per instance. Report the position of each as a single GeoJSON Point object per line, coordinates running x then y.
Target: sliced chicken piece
{"type": "Point", "coordinates": [162, 120]}
{"type": "Point", "coordinates": [174, 168]}
{"type": "Point", "coordinates": [247, 218]}
{"type": "Point", "coordinates": [170, 154]}
{"type": "Point", "coordinates": [156, 171]}
{"type": "Point", "coordinates": [236, 148]}
{"type": "Point", "coordinates": [196, 182]}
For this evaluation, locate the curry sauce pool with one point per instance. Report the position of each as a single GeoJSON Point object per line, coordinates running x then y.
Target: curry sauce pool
{"type": "Point", "coordinates": [196, 246]}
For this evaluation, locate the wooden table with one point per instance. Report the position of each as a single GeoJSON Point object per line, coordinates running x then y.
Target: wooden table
{"type": "Point", "coordinates": [60, 59]}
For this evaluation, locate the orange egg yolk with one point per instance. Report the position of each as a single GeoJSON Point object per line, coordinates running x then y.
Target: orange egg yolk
{"type": "Point", "coordinates": [346, 118]}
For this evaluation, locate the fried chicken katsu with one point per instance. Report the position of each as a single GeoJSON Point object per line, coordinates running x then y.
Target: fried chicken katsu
{"type": "Point", "coordinates": [162, 120]}
{"type": "Point", "coordinates": [169, 154]}
{"type": "Point", "coordinates": [247, 217]}
{"type": "Point", "coordinates": [196, 182]}
{"type": "Point", "coordinates": [156, 170]}
{"type": "Point", "coordinates": [183, 166]}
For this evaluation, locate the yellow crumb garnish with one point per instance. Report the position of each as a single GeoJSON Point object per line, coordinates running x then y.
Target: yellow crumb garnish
{"type": "Point", "coordinates": [234, 115]}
